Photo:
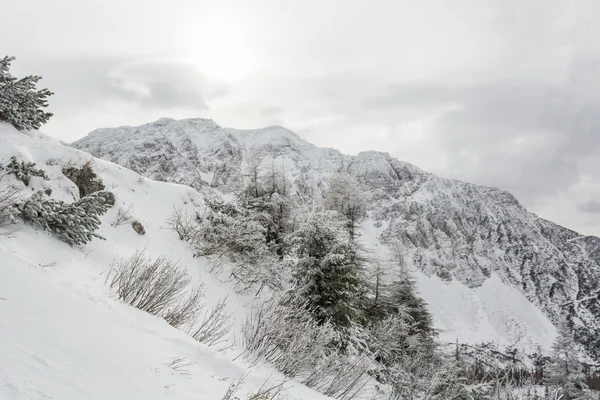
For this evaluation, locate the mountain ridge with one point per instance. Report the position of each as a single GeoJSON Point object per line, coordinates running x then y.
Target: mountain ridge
{"type": "Point", "coordinates": [449, 229]}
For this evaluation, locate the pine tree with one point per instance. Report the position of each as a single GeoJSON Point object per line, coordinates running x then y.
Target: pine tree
{"type": "Point", "coordinates": [23, 171]}
{"type": "Point", "coordinates": [564, 369]}
{"type": "Point", "coordinates": [404, 297]}
{"type": "Point", "coordinates": [328, 274]}
{"type": "Point", "coordinates": [400, 321]}
{"type": "Point", "coordinates": [75, 223]}
{"type": "Point", "coordinates": [267, 196]}
{"type": "Point", "coordinates": [21, 104]}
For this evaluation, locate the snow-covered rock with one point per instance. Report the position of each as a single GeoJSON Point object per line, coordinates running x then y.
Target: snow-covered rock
{"type": "Point", "coordinates": [485, 264]}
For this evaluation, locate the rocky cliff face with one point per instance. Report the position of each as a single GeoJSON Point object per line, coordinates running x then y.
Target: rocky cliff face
{"type": "Point", "coordinates": [453, 230]}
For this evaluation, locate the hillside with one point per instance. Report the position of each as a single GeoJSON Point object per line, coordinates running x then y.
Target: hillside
{"type": "Point", "coordinates": [64, 335]}
{"type": "Point", "coordinates": [488, 268]}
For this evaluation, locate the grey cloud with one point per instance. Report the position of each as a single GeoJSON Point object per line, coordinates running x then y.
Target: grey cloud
{"type": "Point", "coordinates": [81, 83]}
{"type": "Point", "coordinates": [590, 206]}
{"type": "Point", "coordinates": [166, 84]}
{"type": "Point", "coordinates": [170, 95]}
{"type": "Point", "coordinates": [270, 111]}
{"type": "Point", "coordinates": [529, 138]}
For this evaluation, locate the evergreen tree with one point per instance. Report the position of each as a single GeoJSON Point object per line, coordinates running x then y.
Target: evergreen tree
{"type": "Point", "coordinates": [564, 370]}
{"type": "Point", "coordinates": [405, 299]}
{"type": "Point", "coordinates": [23, 171]}
{"type": "Point", "coordinates": [75, 223]}
{"type": "Point", "coordinates": [21, 104]}
{"type": "Point", "coordinates": [328, 274]}
{"type": "Point", "coordinates": [267, 196]}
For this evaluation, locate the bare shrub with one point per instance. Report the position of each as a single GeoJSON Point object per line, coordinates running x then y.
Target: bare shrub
{"type": "Point", "coordinates": [187, 309]}
{"type": "Point", "coordinates": [123, 216]}
{"type": "Point", "coordinates": [258, 270]}
{"type": "Point", "coordinates": [215, 325]}
{"type": "Point", "coordinates": [268, 391]}
{"type": "Point", "coordinates": [184, 222]}
{"type": "Point", "coordinates": [157, 286]}
{"type": "Point", "coordinates": [419, 376]}
{"type": "Point", "coordinates": [285, 333]}
{"type": "Point", "coordinates": [233, 388]}
{"type": "Point", "coordinates": [340, 376]}
{"type": "Point", "coordinates": [181, 365]}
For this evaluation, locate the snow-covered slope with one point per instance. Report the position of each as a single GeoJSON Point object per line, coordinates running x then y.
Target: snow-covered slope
{"type": "Point", "coordinates": [489, 269]}
{"type": "Point", "coordinates": [64, 336]}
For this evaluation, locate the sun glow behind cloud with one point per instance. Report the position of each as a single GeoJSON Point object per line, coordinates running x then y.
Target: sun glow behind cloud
{"type": "Point", "coordinates": [219, 45]}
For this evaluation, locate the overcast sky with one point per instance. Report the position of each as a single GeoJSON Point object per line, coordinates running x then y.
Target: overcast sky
{"type": "Point", "coordinates": [497, 92]}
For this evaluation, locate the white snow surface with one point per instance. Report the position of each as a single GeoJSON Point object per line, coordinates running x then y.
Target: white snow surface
{"type": "Point", "coordinates": [64, 336]}
{"type": "Point", "coordinates": [492, 312]}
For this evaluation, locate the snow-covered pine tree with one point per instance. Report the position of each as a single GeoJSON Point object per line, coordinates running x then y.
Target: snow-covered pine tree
{"type": "Point", "coordinates": [23, 171]}
{"type": "Point", "coordinates": [75, 223]}
{"type": "Point", "coordinates": [328, 274]}
{"type": "Point", "coordinates": [267, 195]}
{"type": "Point", "coordinates": [378, 306]}
{"type": "Point", "coordinates": [407, 304]}
{"type": "Point", "coordinates": [399, 320]}
{"type": "Point", "coordinates": [564, 369]}
{"type": "Point", "coordinates": [21, 104]}
{"type": "Point", "coordinates": [345, 195]}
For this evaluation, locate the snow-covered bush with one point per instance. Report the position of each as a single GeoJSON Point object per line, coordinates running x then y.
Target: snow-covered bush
{"type": "Point", "coordinates": [341, 376]}
{"type": "Point", "coordinates": [23, 171]}
{"type": "Point", "coordinates": [422, 377]}
{"type": "Point", "coordinates": [184, 222]}
{"type": "Point", "coordinates": [225, 231]}
{"type": "Point", "coordinates": [84, 177]}
{"type": "Point", "coordinates": [21, 104]}
{"type": "Point", "coordinates": [286, 334]}
{"type": "Point", "coordinates": [158, 286]}
{"type": "Point", "coordinates": [75, 223]}
{"type": "Point", "coordinates": [10, 195]}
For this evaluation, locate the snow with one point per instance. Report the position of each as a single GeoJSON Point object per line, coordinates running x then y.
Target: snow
{"type": "Point", "coordinates": [64, 336]}
{"type": "Point", "coordinates": [492, 312]}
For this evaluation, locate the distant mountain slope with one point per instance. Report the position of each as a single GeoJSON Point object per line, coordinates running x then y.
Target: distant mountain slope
{"type": "Point", "coordinates": [452, 231]}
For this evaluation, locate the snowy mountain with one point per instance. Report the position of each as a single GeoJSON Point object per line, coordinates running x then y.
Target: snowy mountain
{"type": "Point", "coordinates": [64, 335]}
{"type": "Point", "coordinates": [489, 269]}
